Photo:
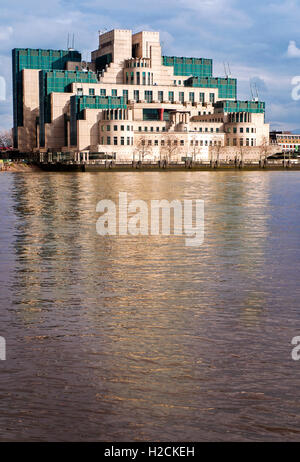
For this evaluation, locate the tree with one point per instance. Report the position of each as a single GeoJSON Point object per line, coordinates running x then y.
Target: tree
{"type": "Point", "coordinates": [142, 148]}
{"type": "Point", "coordinates": [242, 152]}
{"type": "Point", "coordinates": [195, 148]}
{"type": "Point", "coordinates": [171, 147]}
{"type": "Point", "coordinates": [6, 139]}
{"type": "Point", "coordinates": [217, 148]}
{"type": "Point", "coordinates": [264, 149]}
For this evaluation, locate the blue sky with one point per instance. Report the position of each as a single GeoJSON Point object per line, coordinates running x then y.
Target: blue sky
{"type": "Point", "coordinates": [260, 39]}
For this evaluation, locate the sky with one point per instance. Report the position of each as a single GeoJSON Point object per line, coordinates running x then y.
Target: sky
{"type": "Point", "coordinates": [259, 39]}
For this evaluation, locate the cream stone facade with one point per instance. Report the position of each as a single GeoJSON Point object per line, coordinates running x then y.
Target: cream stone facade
{"type": "Point", "coordinates": [131, 103]}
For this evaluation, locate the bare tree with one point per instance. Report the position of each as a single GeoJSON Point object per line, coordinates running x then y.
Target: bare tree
{"type": "Point", "coordinates": [264, 149]}
{"type": "Point", "coordinates": [6, 139]}
{"type": "Point", "coordinates": [242, 152]}
{"type": "Point", "coordinates": [216, 149]}
{"type": "Point", "coordinates": [171, 147]}
{"type": "Point", "coordinates": [142, 148]}
{"type": "Point", "coordinates": [195, 148]}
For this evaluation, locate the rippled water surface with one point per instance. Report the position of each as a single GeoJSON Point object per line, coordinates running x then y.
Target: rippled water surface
{"type": "Point", "coordinates": [143, 338]}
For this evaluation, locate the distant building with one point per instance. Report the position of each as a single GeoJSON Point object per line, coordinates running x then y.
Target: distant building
{"type": "Point", "coordinates": [130, 102]}
{"type": "Point", "coordinates": [286, 141]}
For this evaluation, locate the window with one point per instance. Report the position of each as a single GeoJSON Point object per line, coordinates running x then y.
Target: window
{"type": "Point", "coordinates": [136, 95]}
{"type": "Point", "coordinates": [202, 97]}
{"type": "Point", "coordinates": [171, 96]}
{"type": "Point", "coordinates": [149, 142]}
{"type": "Point", "coordinates": [108, 128]}
{"type": "Point", "coordinates": [149, 96]}
{"type": "Point", "coordinates": [140, 129]}
{"type": "Point", "coordinates": [128, 128]}
{"type": "Point", "coordinates": [114, 92]}
{"type": "Point", "coordinates": [192, 97]}
{"type": "Point", "coordinates": [115, 140]}
{"type": "Point", "coordinates": [144, 78]}
{"type": "Point", "coordinates": [115, 128]}
{"type": "Point", "coordinates": [122, 140]}
{"type": "Point", "coordinates": [181, 96]}
{"type": "Point", "coordinates": [128, 141]}
{"type": "Point", "coordinates": [160, 96]}
{"type": "Point", "coordinates": [92, 92]}
{"type": "Point", "coordinates": [108, 140]}
{"type": "Point", "coordinates": [181, 142]}
{"type": "Point", "coordinates": [241, 130]}
{"type": "Point", "coordinates": [234, 130]}
{"type": "Point", "coordinates": [234, 142]}
{"type": "Point", "coordinates": [125, 96]}
{"type": "Point", "coordinates": [157, 129]}
{"type": "Point", "coordinates": [138, 78]}
{"type": "Point", "coordinates": [212, 98]}
{"type": "Point", "coordinates": [122, 128]}
{"type": "Point", "coordinates": [241, 142]}
{"type": "Point", "coordinates": [156, 142]}
{"type": "Point", "coordinates": [162, 142]}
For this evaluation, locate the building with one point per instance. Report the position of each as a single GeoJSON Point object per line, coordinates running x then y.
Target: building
{"type": "Point", "coordinates": [286, 141]}
{"type": "Point", "coordinates": [130, 103]}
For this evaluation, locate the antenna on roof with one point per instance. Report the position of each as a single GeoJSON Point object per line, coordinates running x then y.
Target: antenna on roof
{"type": "Point", "coordinates": [73, 43]}
{"type": "Point", "coordinates": [70, 44]}
{"type": "Point", "coordinates": [251, 90]}
{"type": "Point", "coordinates": [229, 70]}
{"type": "Point", "coordinates": [256, 89]}
{"type": "Point", "coordinates": [225, 70]}
{"type": "Point", "coordinates": [68, 41]}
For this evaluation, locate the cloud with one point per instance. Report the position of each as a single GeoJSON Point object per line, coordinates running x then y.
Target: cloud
{"type": "Point", "coordinates": [293, 51]}
{"type": "Point", "coordinates": [6, 33]}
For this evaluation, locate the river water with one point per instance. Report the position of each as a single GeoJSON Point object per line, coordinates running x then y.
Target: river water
{"type": "Point", "coordinates": [142, 338]}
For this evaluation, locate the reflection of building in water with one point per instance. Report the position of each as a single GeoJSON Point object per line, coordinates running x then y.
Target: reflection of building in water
{"type": "Point", "coordinates": [130, 102]}
{"type": "Point", "coordinates": [62, 260]}
{"type": "Point", "coordinates": [236, 225]}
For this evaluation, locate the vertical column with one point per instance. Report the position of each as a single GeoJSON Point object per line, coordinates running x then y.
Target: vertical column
{"type": "Point", "coordinates": [161, 114]}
